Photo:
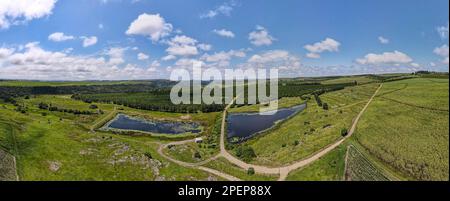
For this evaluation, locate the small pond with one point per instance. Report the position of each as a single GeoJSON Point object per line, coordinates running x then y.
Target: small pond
{"type": "Point", "coordinates": [246, 125]}
{"type": "Point", "coordinates": [124, 122]}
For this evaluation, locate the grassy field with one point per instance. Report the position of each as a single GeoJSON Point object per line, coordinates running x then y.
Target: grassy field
{"type": "Point", "coordinates": [314, 128]}
{"type": "Point", "coordinates": [406, 127]}
{"type": "Point", "coordinates": [282, 103]}
{"type": "Point", "coordinates": [223, 165]}
{"type": "Point", "coordinates": [328, 168]}
{"type": "Point", "coordinates": [358, 79]}
{"type": "Point", "coordinates": [359, 168]}
{"type": "Point", "coordinates": [57, 147]}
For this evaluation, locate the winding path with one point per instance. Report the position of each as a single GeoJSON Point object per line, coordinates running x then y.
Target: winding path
{"type": "Point", "coordinates": [283, 171]}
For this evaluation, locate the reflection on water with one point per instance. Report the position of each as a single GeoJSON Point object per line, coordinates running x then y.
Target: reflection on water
{"type": "Point", "coordinates": [124, 122]}
{"type": "Point", "coordinates": [246, 125]}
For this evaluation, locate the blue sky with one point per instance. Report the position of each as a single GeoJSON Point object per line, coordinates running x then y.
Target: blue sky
{"type": "Point", "coordinates": [146, 39]}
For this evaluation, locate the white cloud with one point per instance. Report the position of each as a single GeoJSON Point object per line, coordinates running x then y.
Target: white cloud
{"type": "Point", "coordinates": [89, 41]}
{"type": "Point", "coordinates": [395, 57]}
{"type": "Point", "coordinates": [224, 9]}
{"type": "Point", "coordinates": [432, 64]}
{"type": "Point", "coordinates": [260, 37]}
{"type": "Point", "coordinates": [14, 12]}
{"type": "Point", "coordinates": [327, 45]}
{"type": "Point", "coordinates": [101, 26]}
{"type": "Point", "coordinates": [223, 56]}
{"type": "Point", "coordinates": [168, 58]}
{"type": "Point", "coordinates": [33, 62]}
{"type": "Point", "coordinates": [151, 25]}
{"type": "Point", "coordinates": [287, 64]}
{"type": "Point", "coordinates": [142, 56]}
{"type": "Point", "coordinates": [182, 46]}
{"type": "Point", "coordinates": [224, 33]}
{"type": "Point", "coordinates": [383, 40]}
{"type": "Point", "coordinates": [6, 52]}
{"type": "Point", "coordinates": [443, 31]}
{"type": "Point", "coordinates": [443, 52]}
{"type": "Point", "coordinates": [116, 55]}
{"type": "Point", "coordinates": [204, 47]}
{"type": "Point", "coordinates": [59, 37]}
{"type": "Point", "coordinates": [416, 65]}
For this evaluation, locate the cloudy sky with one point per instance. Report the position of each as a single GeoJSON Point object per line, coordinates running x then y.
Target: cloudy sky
{"type": "Point", "coordinates": [147, 39]}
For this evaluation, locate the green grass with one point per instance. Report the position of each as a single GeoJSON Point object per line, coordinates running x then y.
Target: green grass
{"type": "Point", "coordinates": [223, 165]}
{"type": "Point", "coordinates": [185, 152]}
{"type": "Point", "coordinates": [314, 128]}
{"type": "Point", "coordinates": [49, 148]}
{"type": "Point", "coordinates": [328, 168]}
{"type": "Point", "coordinates": [282, 103]}
{"type": "Point", "coordinates": [358, 79]}
{"type": "Point", "coordinates": [407, 138]}
{"type": "Point", "coordinates": [359, 168]}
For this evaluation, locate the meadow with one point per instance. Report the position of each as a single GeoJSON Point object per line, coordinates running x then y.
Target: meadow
{"type": "Point", "coordinates": [406, 127]}
{"type": "Point", "coordinates": [312, 129]}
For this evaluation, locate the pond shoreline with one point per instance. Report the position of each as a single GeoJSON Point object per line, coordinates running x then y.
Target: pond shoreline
{"type": "Point", "coordinates": [299, 108]}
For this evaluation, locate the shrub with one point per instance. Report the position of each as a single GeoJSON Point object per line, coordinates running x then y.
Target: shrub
{"type": "Point", "coordinates": [325, 106]}
{"type": "Point", "coordinates": [197, 155]}
{"type": "Point", "coordinates": [93, 107]}
{"type": "Point", "coordinates": [296, 142]}
{"type": "Point", "coordinates": [148, 155]}
{"type": "Point", "coordinates": [251, 171]}
{"type": "Point", "coordinates": [246, 153]}
{"type": "Point", "coordinates": [344, 132]}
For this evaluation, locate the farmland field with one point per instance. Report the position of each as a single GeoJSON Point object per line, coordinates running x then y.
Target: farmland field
{"type": "Point", "coordinates": [406, 127]}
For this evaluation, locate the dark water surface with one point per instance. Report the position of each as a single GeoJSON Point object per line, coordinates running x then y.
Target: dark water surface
{"type": "Point", "coordinates": [125, 122]}
{"type": "Point", "coordinates": [245, 125]}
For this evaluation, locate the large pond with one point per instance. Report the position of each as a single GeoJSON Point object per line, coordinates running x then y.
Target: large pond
{"type": "Point", "coordinates": [245, 125]}
{"type": "Point", "coordinates": [124, 122]}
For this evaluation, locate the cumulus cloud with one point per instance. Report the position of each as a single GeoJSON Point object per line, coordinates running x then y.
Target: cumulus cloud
{"type": "Point", "coordinates": [33, 62]}
{"type": "Point", "coordinates": [395, 57]}
{"type": "Point", "coordinates": [443, 52]}
{"type": "Point", "coordinates": [224, 33]}
{"type": "Point", "coordinates": [223, 58]}
{"type": "Point", "coordinates": [182, 46]}
{"type": "Point", "coordinates": [141, 56]}
{"type": "Point", "coordinates": [14, 12]}
{"type": "Point", "coordinates": [116, 55]}
{"type": "Point", "coordinates": [260, 37]}
{"type": "Point", "coordinates": [204, 46]}
{"type": "Point", "coordinates": [59, 37]}
{"type": "Point", "coordinates": [150, 25]}
{"type": "Point", "coordinates": [383, 40]}
{"type": "Point", "coordinates": [443, 31]}
{"type": "Point", "coordinates": [89, 41]}
{"type": "Point", "coordinates": [327, 45]}
{"type": "Point", "coordinates": [224, 9]}
{"type": "Point", "coordinates": [5, 52]}
{"type": "Point", "coordinates": [287, 63]}
{"type": "Point", "coordinates": [168, 58]}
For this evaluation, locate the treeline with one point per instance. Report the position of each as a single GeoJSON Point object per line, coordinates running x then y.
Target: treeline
{"type": "Point", "coordinates": [49, 107]}
{"type": "Point", "coordinates": [148, 101]}
{"type": "Point", "coordinates": [295, 90]}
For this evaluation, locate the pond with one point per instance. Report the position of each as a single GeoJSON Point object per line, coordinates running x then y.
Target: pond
{"type": "Point", "coordinates": [247, 125]}
{"type": "Point", "coordinates": [124, 122]}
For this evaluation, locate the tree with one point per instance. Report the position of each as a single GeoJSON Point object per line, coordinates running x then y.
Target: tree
{"type": "Point", "coordinates": [344, 132]}
{"type": "Point", "coordinates": [251, 171]}
{"type": "Point", "coordinates": [246, 153]}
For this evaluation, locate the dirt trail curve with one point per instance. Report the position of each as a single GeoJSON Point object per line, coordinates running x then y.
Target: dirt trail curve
{"type": "Point", "coordinates": [284, 170]}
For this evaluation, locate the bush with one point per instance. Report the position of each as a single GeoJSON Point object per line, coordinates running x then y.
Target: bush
{"type": "Point", "coordinates": [148, 155]}
{"type": "Point", "coordinates": [296, 142]}
{"type": "Point", "coordinates": [344, 132]}
{"type": "Point", "coordinates": [325, 106]}
{"type": "Point", "coordinates": [246, 153]}
{"type": "Point", "coordinates": [197, 155]}
{"type": "Point", "coordinates": [251, 171]}
{"type": "Point", "coordinates": [93, 107]}
{"type": "Point", "coordinates": [283, 145]}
